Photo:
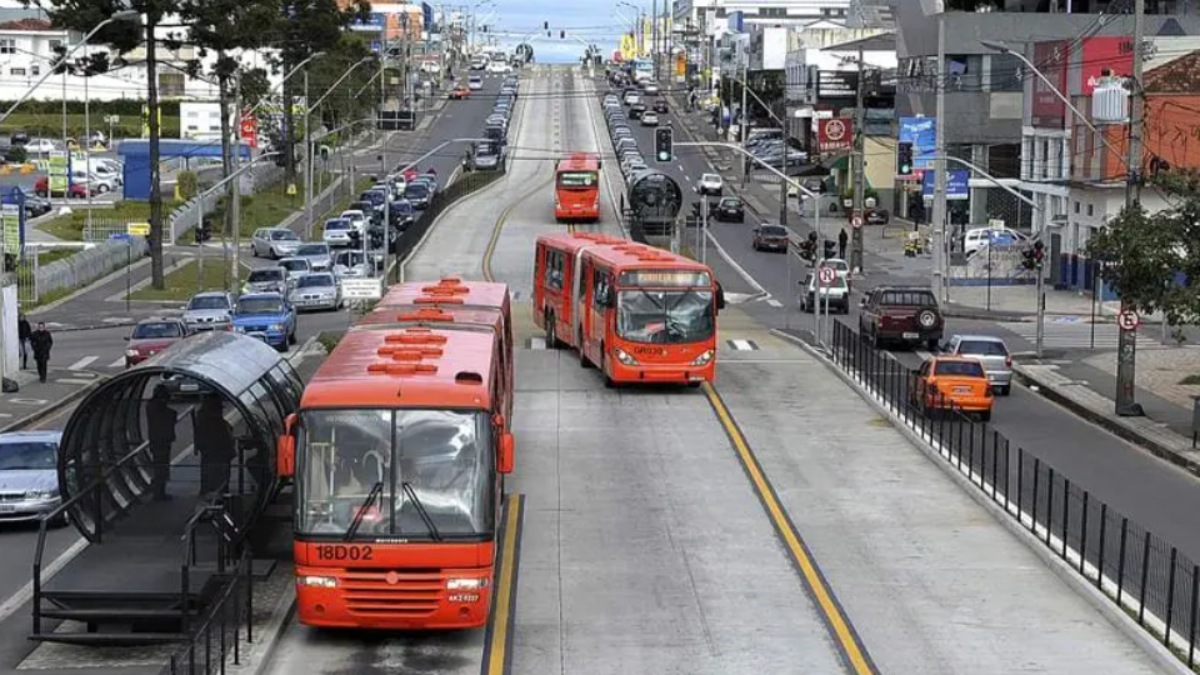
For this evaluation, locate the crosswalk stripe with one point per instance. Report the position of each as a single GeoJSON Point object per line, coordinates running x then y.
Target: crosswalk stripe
{"type": "Point", "coordinates": [82, 363]}
{"type": "Point", "coordinates": [1073, 335]}
{"type": "Point", "coordinates": [120, 362]}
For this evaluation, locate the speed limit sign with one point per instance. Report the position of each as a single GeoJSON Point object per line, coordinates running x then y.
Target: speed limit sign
{"type": "Point", "coordinates": [1128, 320]}
{"type": "Point", "coordinates": [828, 274]}
{"type": "Point", "coordinates": [856, 222]}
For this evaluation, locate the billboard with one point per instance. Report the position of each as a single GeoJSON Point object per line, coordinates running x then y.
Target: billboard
{"type": "Point", "coordinates": [837, 84]}
{"type": "Point", "coordinates": [374, 23]}
{"type": "Point", "coordinates": [835, 134]}
{"type": "Point", "coordinates": [957, 184]}
{"type": "Point", "coordinates": [427, 18]}
{"type": "Point", "coordinates": [1048, 110]}
{"type": "Point", "coordinates": [1113, 53]}
{"type": "Point", "coordinates": [921, 132]}
{"type": "Point", "coordinates": [628, 47]}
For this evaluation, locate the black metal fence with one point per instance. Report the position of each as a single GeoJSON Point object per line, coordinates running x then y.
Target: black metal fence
{"type": "Point", "coordinates": [217, 640]}
{"type": "Point", "coordinates": [1148, 578]}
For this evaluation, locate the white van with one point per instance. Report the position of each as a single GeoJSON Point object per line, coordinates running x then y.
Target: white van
{"type": "Point", "coordinates": [979, 237]}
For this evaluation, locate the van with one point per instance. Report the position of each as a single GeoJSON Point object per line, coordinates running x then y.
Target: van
{"type": "Point", "coordinates": [979, 237]}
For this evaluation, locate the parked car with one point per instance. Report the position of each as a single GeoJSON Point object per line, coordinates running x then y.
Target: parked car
{"type": "Point", "coordinates": [268, 317]}
{"type": "Point", "coordinates": [711, 184]}
{"type": "Point", "coordinates": [878, 217]}
{"type": "Point", "coordinates": [210, 310]}
{"type": "Point", "coordinates": [151, 336]}
{"type": "Point", "coordinates": [338, 232]}
{"type": "Point", "coordinates": [992, 352]}
{"type": "Point", "coordinates": [266, 280]}
{"type": "Point", "coordinates": [836, 294]}
{"type": "Point", "coordinates": [274, 242]}
{"type": "Point", "coordinates": [952, 383]}
{"type": "Point", "coordinates": [909, 315]}
{"type": "Point", "coordinates": [771, 238]}
{"type": "Point", "coordinates": [319, 290]}
{"type": "Point", "coordinates": [29, 476]}
{"type": "Point", "coordinates": [76, 190]}
{"type": "Point", "coordinates": [730, 209]}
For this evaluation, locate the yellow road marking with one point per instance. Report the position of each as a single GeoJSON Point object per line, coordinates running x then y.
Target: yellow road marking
{"type": "Point", "coordinates": [496, 653]}
{"type": "Point", "coordinates": [499, 227]}
{"type": "Point", "coordinates": [851, 647]}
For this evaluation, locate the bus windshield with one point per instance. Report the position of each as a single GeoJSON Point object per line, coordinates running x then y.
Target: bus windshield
{"type": "Point", "coordinates": [415, 474]}
{"type": "Point", "coordinates": [665, 317]}
{"type": "Point", "coordinates": [577, 179]}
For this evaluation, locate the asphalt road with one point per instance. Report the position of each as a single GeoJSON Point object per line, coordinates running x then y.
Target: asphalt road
{"type": "Point", "coordinates": [1151, 492]}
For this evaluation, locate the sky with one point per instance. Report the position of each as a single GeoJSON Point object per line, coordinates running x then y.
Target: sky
{"type": "Point", "coordinates": [593, 21]}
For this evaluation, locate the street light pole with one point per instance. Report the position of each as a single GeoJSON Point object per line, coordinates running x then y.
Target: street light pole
{"type": "Point", "coordinates": [939, 167]}
{"type": "Point", "coordinates": [308, 161]}
{"type": "Point", "coordinates": [1126, 403]}
{"type": "Point", "coordinates": [860, 178]}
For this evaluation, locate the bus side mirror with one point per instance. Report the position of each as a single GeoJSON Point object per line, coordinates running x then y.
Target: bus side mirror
{"type": "Point", "coordinates": [285, 449]}
{"type": "Point", "coordinates": [504, 463]}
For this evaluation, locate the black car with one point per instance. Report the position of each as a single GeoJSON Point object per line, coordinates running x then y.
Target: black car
{"type": "Point", "coordinates": [731, 210]}
{"type": "Point", "coordinates": [418, 194]}
{"type": "Point", "coordinates": [660, 105]}
{"type": "Point", "coordinates": [636, 110]}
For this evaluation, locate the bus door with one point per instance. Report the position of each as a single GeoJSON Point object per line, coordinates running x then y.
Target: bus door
{"type": "Point", "coordinates": [541, 253]}
{"type": "Point", "coordinates": [602, 293]}
{"type": "Point", "coordinates": [583, 303]}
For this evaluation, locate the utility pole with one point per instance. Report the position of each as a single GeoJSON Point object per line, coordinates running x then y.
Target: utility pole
{"type": "Point", "coordinates": [308, 159]}
{"type": "Point", "coordinates": [783, 165]}
{"type": "Point", "coordinates": [745, 86]}
{"type": "Point", "coordinates": [939, 167]}
{"type": "Point", "coordinates": [860, 177]}
{"type": "Point", "coordinates": [654, 40]}
{"type": "Point", "coordinates": [235, 202]}
{"type": "Point", "coordinates": [1126, 404]}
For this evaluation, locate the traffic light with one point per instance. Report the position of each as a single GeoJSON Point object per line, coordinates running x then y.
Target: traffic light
{"type": "Point", "coordinates": [562, 35]}
{"type": "Point", "coordinates": [545, 25]}
{"type": "Point", "coordinates": [1039, 253]}
{"type": "Point", "coordinates": [1027, 259]}
{"type": "Point", "coordinates": [904, 159]}
{"type": "Point", "coordinates": [664, 144]}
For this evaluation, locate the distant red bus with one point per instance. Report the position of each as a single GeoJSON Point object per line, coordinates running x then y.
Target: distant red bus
{"type": "Point", "coordinates": [577, 188]}
{"type": "Point", "coordinates": [638, 313]}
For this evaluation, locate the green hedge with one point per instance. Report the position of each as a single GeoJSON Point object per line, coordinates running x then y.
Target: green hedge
{"type": "Point", "coordinates": [98, 109]}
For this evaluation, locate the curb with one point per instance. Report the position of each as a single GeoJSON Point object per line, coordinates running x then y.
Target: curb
{"type": "Point", "coordinates": [1112, 612]}
{"type": "Point", "coordinates": [1113, 425]}
{"type": "Point", "coordinates": [34, 418]}
{"type": "Point", "coordinates": [270, 635]}
{"type": "Point", "coordinates": [111, 276]}
{"type": "Point", "coordinates": [1011, 317]}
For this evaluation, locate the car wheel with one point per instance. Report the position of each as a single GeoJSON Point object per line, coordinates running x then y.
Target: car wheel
{"type": "Point", "coordinates": [931, 345]}
{"type": "Point", "coordinates": [878, 339]}
{"type": "Point", "coordinates": [608, 381]}
{"type": "Point", "coordinates": [102, 188]}
{"type": "Point", "coordinates": [272, 254]}
{"type": "Point", "coordinates": [985, 416]}
{"type": "Point", "coordinates": [1006, 390]}
{"type": "Point", "coordinates": [292, 337]}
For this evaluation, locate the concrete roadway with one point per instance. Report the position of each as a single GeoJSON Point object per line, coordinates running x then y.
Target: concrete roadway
{"type": "Point", "coordinates": [1155, 494]}
{"type": "Point", "coordinates": [645, 549]}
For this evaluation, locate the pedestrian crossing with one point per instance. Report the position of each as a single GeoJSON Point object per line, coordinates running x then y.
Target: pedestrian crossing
{"type": "Point", "coordinates": [1068, 333]}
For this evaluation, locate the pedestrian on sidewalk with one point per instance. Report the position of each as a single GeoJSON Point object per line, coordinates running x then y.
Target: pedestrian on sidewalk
{"type": "Point", "coordinates": [41, 341]}
{"type": "Point", "coordinates": [24, 331]}
{"type": "Point", "coordinates": [160, 419]}
{"type": "Point", "coordinates": [843, 238]}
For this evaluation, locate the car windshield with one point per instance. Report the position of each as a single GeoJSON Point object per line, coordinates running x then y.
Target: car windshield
{"type": "Point", "coordinates": [983, 348]}
{"type": "Point", "coordinates": [316, 281]}
{"type": "Point", "coordinates": [577, 179]}
{"type": "Point", "coordinates": [416, 190]}
{"type": "Point", "coordinates": [209, 302]}
{"type": "Point", "coordinates": [260, 306]}
{"type": "Point", "coordinates": [731, 203]}
{"type": "Point", "coordinates": [265, 276]}
{"type": "Point", "coordinates": [431, 472]}
{"type": "Point", "coordinates": [959, 369]}
{"type": "Point", "coordinates": [710, 178]}
{"type": "Point", "coordinates": [294, 265]}
{"type": "Point", "coordinates": [665, 317]}
{"type": "Point", "coordinates": [332, 225]}
{"type": "Point", "coordinates": [773, 231]}
{"type": "Point", "coordinates": [839, 265]}
{"type": "Point", "coordinates": [402, 206]}
{"type": "Point", "coordinates": [313, 249]}
{"type": "Point", "coordinates": [350, 258]}
{"type": "Point", "coordinates": [28, 456]}
{"type": "Point", "coordinates": [284, 235]}
{"type": "Point", "coordinates": [158, 329]}
{"type": "Point", "coordinates": [353, 215]}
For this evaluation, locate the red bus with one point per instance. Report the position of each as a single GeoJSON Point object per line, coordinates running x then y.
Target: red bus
{"type": "Point", "coordinates": [638, 313]}
{"type": "Point", "coordinates": [577, 187]}
{"type": "Point", "coordinates": [398, 452]}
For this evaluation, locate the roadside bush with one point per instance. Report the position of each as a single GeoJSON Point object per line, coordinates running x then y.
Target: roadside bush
{"type": "Point", "coordinates": [188, 184]}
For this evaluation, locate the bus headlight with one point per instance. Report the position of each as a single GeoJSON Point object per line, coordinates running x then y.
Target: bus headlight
{"type": "Point", "coordinates": [466, 584]}
{"type": "Point", "coordinates": [704, 358]}
{"type": "Point", "coordinates": [624, 358]}
{"type": "Point", "coordinates": [319, 582]}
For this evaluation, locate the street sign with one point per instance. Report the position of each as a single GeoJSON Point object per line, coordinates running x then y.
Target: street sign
{"type": "Point", "coordinates": [1128, 320]}
{"type": "Point", "coordinates": [137, 229]}
{"type": "Point", "coordinates": [362, 289]}
{"type": "Point", "coordinates": [828, 274]}
{"type": "Point", "coordinates": [856, 222]}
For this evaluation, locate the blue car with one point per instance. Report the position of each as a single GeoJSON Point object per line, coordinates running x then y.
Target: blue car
{"type": "Point", "coordinates": [268, 317]}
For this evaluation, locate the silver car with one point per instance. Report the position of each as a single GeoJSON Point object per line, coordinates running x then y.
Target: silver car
{"type": "Point", "coordinates": [351, 264]}
{"type": "Point", "coordinates": [266, 280]}
{"type": "Point", "coordinates": [296, 268]}
{"type": "Point", "coordinates": [274, 242]}
{"type": "Point", "coordinates": [318, 290]}
{"type": "Point", "coordinates": [319, 256]}
{"type": "Point", "coordinates": [29, 475]}
{"type": "Point", "coordinates": [991, 352]}
{"type": "Point", "coordinates": [211, 310]}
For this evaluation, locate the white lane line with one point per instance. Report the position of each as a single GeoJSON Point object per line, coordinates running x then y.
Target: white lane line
{"type": "Point", "coordinates": [120, 362]}
{"type": "Point", "coordinates": [774, 303]}
{"type": "Point", "coordinates": [18, 599]}
{"type": "Point", "coordinates": [742, 345]}
{"type": "Point", "coordinates": [82, 363]}
{"type": "Point", "coordinates": [925, 356]}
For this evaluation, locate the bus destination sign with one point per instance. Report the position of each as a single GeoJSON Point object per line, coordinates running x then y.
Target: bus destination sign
{"type": "Point", "coordinates": [674, 278]}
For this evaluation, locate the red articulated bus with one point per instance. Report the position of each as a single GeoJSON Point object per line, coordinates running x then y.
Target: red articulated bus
{"type": "Point", "coordinates": [398, 452]}
{"type": "Point", "coordinates": [638, 313]}
{"type": "Point", "coordinates": [577, 188]}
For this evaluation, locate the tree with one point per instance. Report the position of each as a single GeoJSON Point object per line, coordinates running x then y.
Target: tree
{"type": "Point", "coordinates": [124, 37]}
{"type": "Point", "coordinates": [1153, 259]}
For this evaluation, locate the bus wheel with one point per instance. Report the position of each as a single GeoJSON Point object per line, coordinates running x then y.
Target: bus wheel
{"type": "Point", "coordinates": [583, 359]}
{"type": "Point", "coordinates": [608, 381]}
{"type": "Point", "coordinates": [551, 331]}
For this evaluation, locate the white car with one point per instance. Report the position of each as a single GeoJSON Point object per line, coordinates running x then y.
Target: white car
{"type": "Point", "coordinates": [337, 232]}
{"type": "Point", "coordinates": [358, 219]}
{"type": "Point", "coordinates": [650, 89]}
{"type": "Point", "coordinates": [839, 266]}
{"type": "Point", "coordinates": [474, 83]}
{"type": "Point", "coordinates": [632, 98]}
{"type": "Point", "coordinates": [711, 184]}
{"type": "Point", "coordinates": [296, 268]}
{"type": "Point", "coordinates": [649, 119]}
{"type": "Point", "coordinates": [497, 67]}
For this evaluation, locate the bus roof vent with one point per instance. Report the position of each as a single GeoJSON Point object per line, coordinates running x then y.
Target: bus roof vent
{"type": "Point", "coordinates": [448, 285]}
{"type": "Point", "coordinates": [402, 369]}
{"type": "Point", "coordinates": [409, 352]}
{"type": "Point", "coordinates": [435, 299]}
{"type": "Point", "coordinates": [415, 336]}
{"type": "Point", "coordinates": [425, 314]}
{"type": "Point", "coordinates": [468, 377]}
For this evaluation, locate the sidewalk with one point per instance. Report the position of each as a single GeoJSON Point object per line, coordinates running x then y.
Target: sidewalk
{"type": "Point", "coordinates": [42, 405]}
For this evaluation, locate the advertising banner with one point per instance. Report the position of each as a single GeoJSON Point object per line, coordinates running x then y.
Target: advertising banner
{"type": "Point", "coordinates": [958, 184]}
{"type": "Point", "coordinates": [1048, 110]}
{"type": "Point", "coordinates": [249, 128]}
{"type": "Point", "coordinates": [628, 47]}
{"type": "Point", "coordinates": [1112, 53]}
{"type": "Point", "coordinates": [835, 134]}
{"type": "Point", "coordinates": [681, 64]}
{"type": "Point", "coordinates": [59, 173]}
{"type": "Point", "coordinates": [921, 132]}
{"type": "Point", "coordinates": [12, 209]}
{"type": "Point", "coordinates": [374, 23]}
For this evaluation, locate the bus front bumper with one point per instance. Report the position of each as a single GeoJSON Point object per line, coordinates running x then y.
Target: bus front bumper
{"type": "Point", "coordinates": [663, 373]}
{"type": "Point", "coordinates": [329, 598]}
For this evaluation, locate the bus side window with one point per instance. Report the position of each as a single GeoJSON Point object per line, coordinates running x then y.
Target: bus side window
{"type": "Point", "coordinates": [554, 271]}
{"type": "Point", "coordinates": [601, 293]}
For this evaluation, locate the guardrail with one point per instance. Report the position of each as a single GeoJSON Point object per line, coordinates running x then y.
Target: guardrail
{"type": "Point", "coordinates": [1146, 576]}
{"type": "Point", "coordinates": [218, 635]}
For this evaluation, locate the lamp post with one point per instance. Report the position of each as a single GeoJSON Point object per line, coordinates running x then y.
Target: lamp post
{"type": "Point", "coordinates": [1125, 403]}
